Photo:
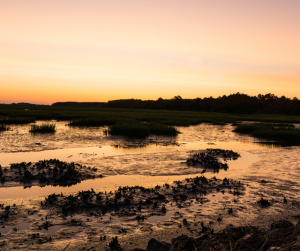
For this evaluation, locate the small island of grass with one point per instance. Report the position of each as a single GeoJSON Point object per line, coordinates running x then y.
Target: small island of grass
{"type": "Point", "coordinates": [43, 128]}
{"type": "Point", "coordinates": [141, 130]}
{"type": "Point", "coordinates": [273, 131]}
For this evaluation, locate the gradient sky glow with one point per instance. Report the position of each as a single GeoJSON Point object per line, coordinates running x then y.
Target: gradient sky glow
{"type": "Point", "coordinates": [99, 50]}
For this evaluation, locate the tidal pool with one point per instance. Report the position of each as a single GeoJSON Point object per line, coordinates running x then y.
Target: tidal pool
{"type": "Point", "coordinates": [267, 170]}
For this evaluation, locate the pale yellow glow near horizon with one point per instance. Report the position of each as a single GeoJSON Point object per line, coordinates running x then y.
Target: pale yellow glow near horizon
{"type": "Point", "coordinates": [92, 50]}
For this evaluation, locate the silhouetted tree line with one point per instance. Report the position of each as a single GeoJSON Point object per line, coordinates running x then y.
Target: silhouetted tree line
{"type": "Point", "coordinates": [234, 103]}
{"type": "Point", "coordinates": [80, 104]}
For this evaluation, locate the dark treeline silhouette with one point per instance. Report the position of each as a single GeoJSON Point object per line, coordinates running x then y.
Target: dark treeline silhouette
{"type": "Point", "coordinates": [80, 104]}
{"type": "Point", "coordinates": [234, 103]}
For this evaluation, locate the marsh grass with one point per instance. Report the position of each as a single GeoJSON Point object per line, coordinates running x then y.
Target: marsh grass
{"type": "Point", "coordinates": [44, 128]}
{"type": "Point", "coordinates": [81, 116]}
{"type": "Point", "coordinates": [88, 122]}
{"type": "Point", "coordinates": [282, 132]}
{"type": "Point", "coordinates": [16, 120]}
{"type": "Point", "coordinates": [141, 130]}
{"type": "Point", "coordinates": [3, 128]}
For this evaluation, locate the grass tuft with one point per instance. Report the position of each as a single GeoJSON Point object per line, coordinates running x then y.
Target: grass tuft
{"type": "Point", "coordinates": [141, 130]}
{"type": "Point", "coordinates": [281, 132]}
{"type": "Point", "coordinates": [44, 128]}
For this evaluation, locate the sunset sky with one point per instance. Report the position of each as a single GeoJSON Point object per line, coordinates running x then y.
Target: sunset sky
{"type": "Point", "coordinates": [100, 50]}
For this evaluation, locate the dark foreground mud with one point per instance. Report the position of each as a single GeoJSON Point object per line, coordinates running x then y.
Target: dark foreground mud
{"type": "Point", "coordinates": [128, 219]}
{"type": "Point", "coordinates": [281, 235]}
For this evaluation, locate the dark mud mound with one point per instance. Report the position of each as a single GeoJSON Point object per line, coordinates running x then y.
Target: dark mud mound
{"type": "Point", "coordinates": [210, 159]}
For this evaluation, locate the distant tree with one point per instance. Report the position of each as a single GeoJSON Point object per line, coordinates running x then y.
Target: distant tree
{"type": "Point", "coordinates": [270, 96]}
{"type": "Point", "coordinates": [177, 97]}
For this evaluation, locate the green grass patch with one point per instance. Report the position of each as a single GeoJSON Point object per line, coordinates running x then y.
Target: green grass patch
{"type": "Point", "coordinates": [44, 128]}
{"type": "Point", "coordinates": [134, 129]}
{"type": "Point", "coordinates": [280, 132]}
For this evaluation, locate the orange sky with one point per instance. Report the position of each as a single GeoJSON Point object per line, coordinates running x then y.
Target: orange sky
{"type": "Point", "coordinates": [98, 50]}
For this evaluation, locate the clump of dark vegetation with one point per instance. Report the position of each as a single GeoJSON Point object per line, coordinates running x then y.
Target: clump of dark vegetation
{"type": "Point", "coordinates": [6, 211]}
{"type": "Point", "coordinates": [209, 159]}
{"type": "Point", "coordinates": [16, 120]}
{"type": "Point", "coordinates": [47, 172]}
{"type": "Point", "coordinates": [141, 130]}
{"type": "Point", "coordinates": [3, 128]}
{"type": "Point", "coordinates": [43, 128]}
{"type": "Point", "coordinates": [127, 128]}
{"type": "Point", "coordinates": [131, 201]}
{"type": "Point", "coordinates": [282, 132]}
{"type": "Point", "coordinates": [114, 244]}
{"type": "Point", "coordinates": [2, 177]}
{"type": "Point", "coordinates": [9, 213]}
{"type": "Point", "coordinates": [264, 202]}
